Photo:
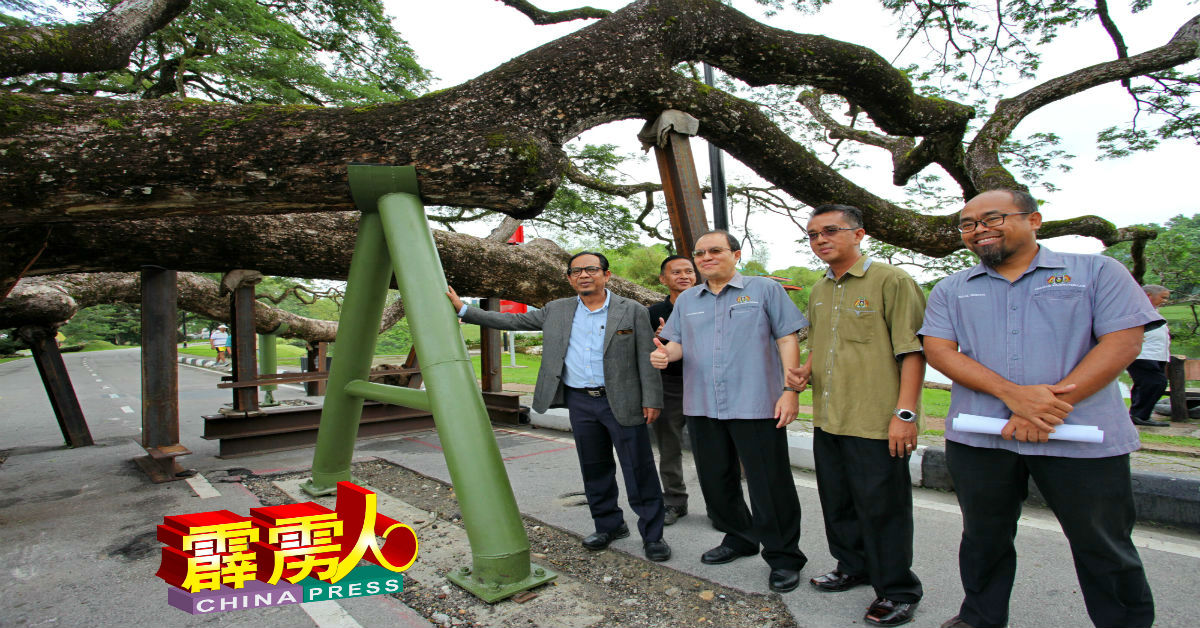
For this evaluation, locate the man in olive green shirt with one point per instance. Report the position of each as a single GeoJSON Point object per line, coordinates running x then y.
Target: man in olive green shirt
{"type": "Point", "coordinates": [866, 367]}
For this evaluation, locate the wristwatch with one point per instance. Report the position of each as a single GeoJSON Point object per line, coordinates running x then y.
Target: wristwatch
{"type": "Point", "coordinates": [790, 389]}
{"type": "Point", "coordinates": [908, 416]}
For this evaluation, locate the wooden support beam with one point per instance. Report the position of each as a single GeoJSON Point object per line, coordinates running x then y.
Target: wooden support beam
{"type": "Point", "coordinates": [491, 373]}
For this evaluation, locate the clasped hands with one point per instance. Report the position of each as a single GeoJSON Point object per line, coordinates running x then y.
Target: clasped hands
{"type": "Point", "coordinates": [1036, 410]}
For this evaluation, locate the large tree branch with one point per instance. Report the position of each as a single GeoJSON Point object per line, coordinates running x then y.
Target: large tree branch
{"type": "Point", "coordinates": [542, 17]}
{"type": "Point", "coordinates": [104, 44]}
{"type": "Point", "coordinates": [316, 246]}
{"type": "Point", "coordinates": [55, 299]}
{"type": "Point", "coordinates": [982, 157]}
{"type": "Point", "coordinates": [494, 142]}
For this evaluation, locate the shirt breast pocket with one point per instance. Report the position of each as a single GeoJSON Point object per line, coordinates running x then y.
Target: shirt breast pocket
{"type": "Point", "coordinates": [858, 325]}
{"type": "Point", "coordinates": [745, 313]}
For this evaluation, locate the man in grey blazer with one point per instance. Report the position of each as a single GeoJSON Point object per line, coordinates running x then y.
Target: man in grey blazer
{"type": "Point", "coordinates": [595, 361]}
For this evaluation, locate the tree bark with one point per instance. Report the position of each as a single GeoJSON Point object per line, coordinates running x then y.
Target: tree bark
{"type": "Point", "coordinates": [315, 246]}
{"type": "Point", "coordinates": [496, 142]}
{"type": "Point", "coordinates": [104, 44]}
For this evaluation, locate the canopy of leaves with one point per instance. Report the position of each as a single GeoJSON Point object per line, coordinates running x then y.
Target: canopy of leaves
{"type": "Point", "coordinates": [314, 52]}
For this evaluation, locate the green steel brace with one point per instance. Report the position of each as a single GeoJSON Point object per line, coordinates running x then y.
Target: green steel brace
{"type": "Point", "coordinates": [267, 361]}
{"type": "Point", "coordinates": [394, 235]}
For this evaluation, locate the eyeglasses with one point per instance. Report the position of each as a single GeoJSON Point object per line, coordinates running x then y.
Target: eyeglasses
{"type": "Point", "coordinates": [995, 220]}
{"type": "Point", "coordinates": [575, 271]}
{"type": "Point", "coordinates": [714, 251]}
{"type": "Point", "coordinates": [828, 232]}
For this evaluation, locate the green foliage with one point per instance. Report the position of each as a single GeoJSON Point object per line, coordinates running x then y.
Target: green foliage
{"type": "Point", "coordinates": [1172, 258]}
{"type": "Point", "coordinates": [9, 343]}
{"type": "Point", "coordinates": [119, 324]}
{"type": "Point", "coordinates": [306, 52]}
{"type": "Point", "coordinates": [397, 340]}
{"type": "Point", "coordinates": [800, 277]}
{"type": "Point", "coordinates": [638, 263]}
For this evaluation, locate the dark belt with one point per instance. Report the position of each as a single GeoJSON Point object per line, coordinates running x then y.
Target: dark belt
{"type": "Point", "coordinates": [598, 391]}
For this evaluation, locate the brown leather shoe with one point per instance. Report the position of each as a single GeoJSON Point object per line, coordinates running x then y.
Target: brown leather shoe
{"type": "Point", "coordinates": [956, 622]}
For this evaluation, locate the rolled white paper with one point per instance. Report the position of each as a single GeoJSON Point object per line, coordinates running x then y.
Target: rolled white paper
{"type": "Point", "coordinates": [991, 425]}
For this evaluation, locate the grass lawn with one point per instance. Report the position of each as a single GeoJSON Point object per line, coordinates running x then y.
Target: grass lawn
{"type": "Point", "coordinates": [527, 375]}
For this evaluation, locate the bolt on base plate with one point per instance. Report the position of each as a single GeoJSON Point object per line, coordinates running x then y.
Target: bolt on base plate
{"type": "Point", "coordinates": [494, 592]}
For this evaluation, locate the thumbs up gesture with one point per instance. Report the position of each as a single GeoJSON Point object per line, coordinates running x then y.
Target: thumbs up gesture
{"type": "Point", "coordinates": [659, 358]}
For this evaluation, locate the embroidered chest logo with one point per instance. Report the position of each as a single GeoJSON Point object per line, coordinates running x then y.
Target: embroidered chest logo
{"type": "Point", "coordinates": [860, 304]}
{"type": "Point", "coordinates": [743, 299]}
{"type": "Point", "coordinates": [1057, 279]}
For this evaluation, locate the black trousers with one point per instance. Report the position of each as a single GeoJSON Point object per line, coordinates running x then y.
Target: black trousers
{"type": "Point", "coordinates": [597, 433]}
{"type": "Point", "coordinates": [668, 429]}
{"type": "Point", "coordinates": [773, 519]}
{"type": "Point", "coordinates": [1149, 384]}
{"type": "Point", "coordinates": [866, 499]}
{"type": "Point", "coordinates": [1093, 500]}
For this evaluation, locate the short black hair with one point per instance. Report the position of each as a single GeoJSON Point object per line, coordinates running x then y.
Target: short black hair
{"type": "Point", "coordinates": [853, 214]}
{"type": "Point", "coordinates": [734, 245]}
{"type": "Point", "coordinates": [1024, 201]}
{"type": "Point", "coordinates": [603, 260]}
{"type": "Point", "coordinates": [662, 268]}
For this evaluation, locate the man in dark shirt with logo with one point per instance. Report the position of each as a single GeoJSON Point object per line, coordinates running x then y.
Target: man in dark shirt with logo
{"type": "Point", "coordinates": [677, 273]}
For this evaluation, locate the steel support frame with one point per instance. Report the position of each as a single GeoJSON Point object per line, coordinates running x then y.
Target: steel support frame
{"type": "Point", "coordinates": [57, 383]}
{"type": "Point", "coordinates": [241, 316]}
{"type": "Point", "coordinates": [160, 377]}
{"type": "Point", "coordinates": [394, 235]}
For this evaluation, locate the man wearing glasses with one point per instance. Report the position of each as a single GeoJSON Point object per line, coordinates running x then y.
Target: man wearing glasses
{"type": "Point", "coordinates": [1038, 338]}
{"type": "Point", "coordinates": [736, 335]}
{"type": "Point", "coordinates": [595, 361]}
{"type": "Point", "coordinates": [865, 315]}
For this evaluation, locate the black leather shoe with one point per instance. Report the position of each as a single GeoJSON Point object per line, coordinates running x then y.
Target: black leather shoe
{"type": "Point", "coordinates": [783, 580]}
{"type": "Point", "coordinates": [1149, 422]}
{"type": "Point", "coordinates": [600, 540]}
{"type": "Point", "coordinates": [836, 581]}
{"type": "Point", "coordinates": [657, 551]}
{"type": "Point", "coordinates": [721, 554]}
{"type": "Point", "coordinates": [671, 514]}
{"type": "Point", "coordinates": [885, 612]}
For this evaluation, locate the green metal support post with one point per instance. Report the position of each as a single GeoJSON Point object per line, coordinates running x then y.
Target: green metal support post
{"type": "Point", "coordinates": [267, 362]}
{"type": "Point", "coordinates": [394, 222]}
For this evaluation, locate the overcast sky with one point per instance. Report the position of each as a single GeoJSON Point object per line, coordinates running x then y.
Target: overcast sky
{"type": "Point", "coordinates": [462, 39]}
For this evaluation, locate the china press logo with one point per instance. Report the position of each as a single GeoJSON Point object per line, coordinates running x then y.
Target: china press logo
{"type": "Point", "coordinates": [219, 561]}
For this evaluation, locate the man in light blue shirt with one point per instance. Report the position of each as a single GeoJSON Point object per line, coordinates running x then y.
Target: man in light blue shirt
{"type": "Point", "coordinates": [595, 361]}
{"type": "Point", "coordinates": [735, 335]}
{"type": "Point", "coordinates": [1038, 338]}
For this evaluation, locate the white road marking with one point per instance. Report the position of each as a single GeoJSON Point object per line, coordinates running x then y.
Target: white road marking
{"type": "Point", "coordinates": [126, 409]}
{"type": "Point", "coordinates": [113, 395]}
{"type": "Point", "coordinates": [203, 489]}
{"type": "Point", "coordinates": [329, 614]}
{"type": "Point", "coordinates": [105, 387]}
{"type": "Point", "coordinates": [99, 380]}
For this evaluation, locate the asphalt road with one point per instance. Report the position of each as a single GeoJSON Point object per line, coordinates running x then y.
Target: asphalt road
{"type": "Point", "coordinates": [75, 522]}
